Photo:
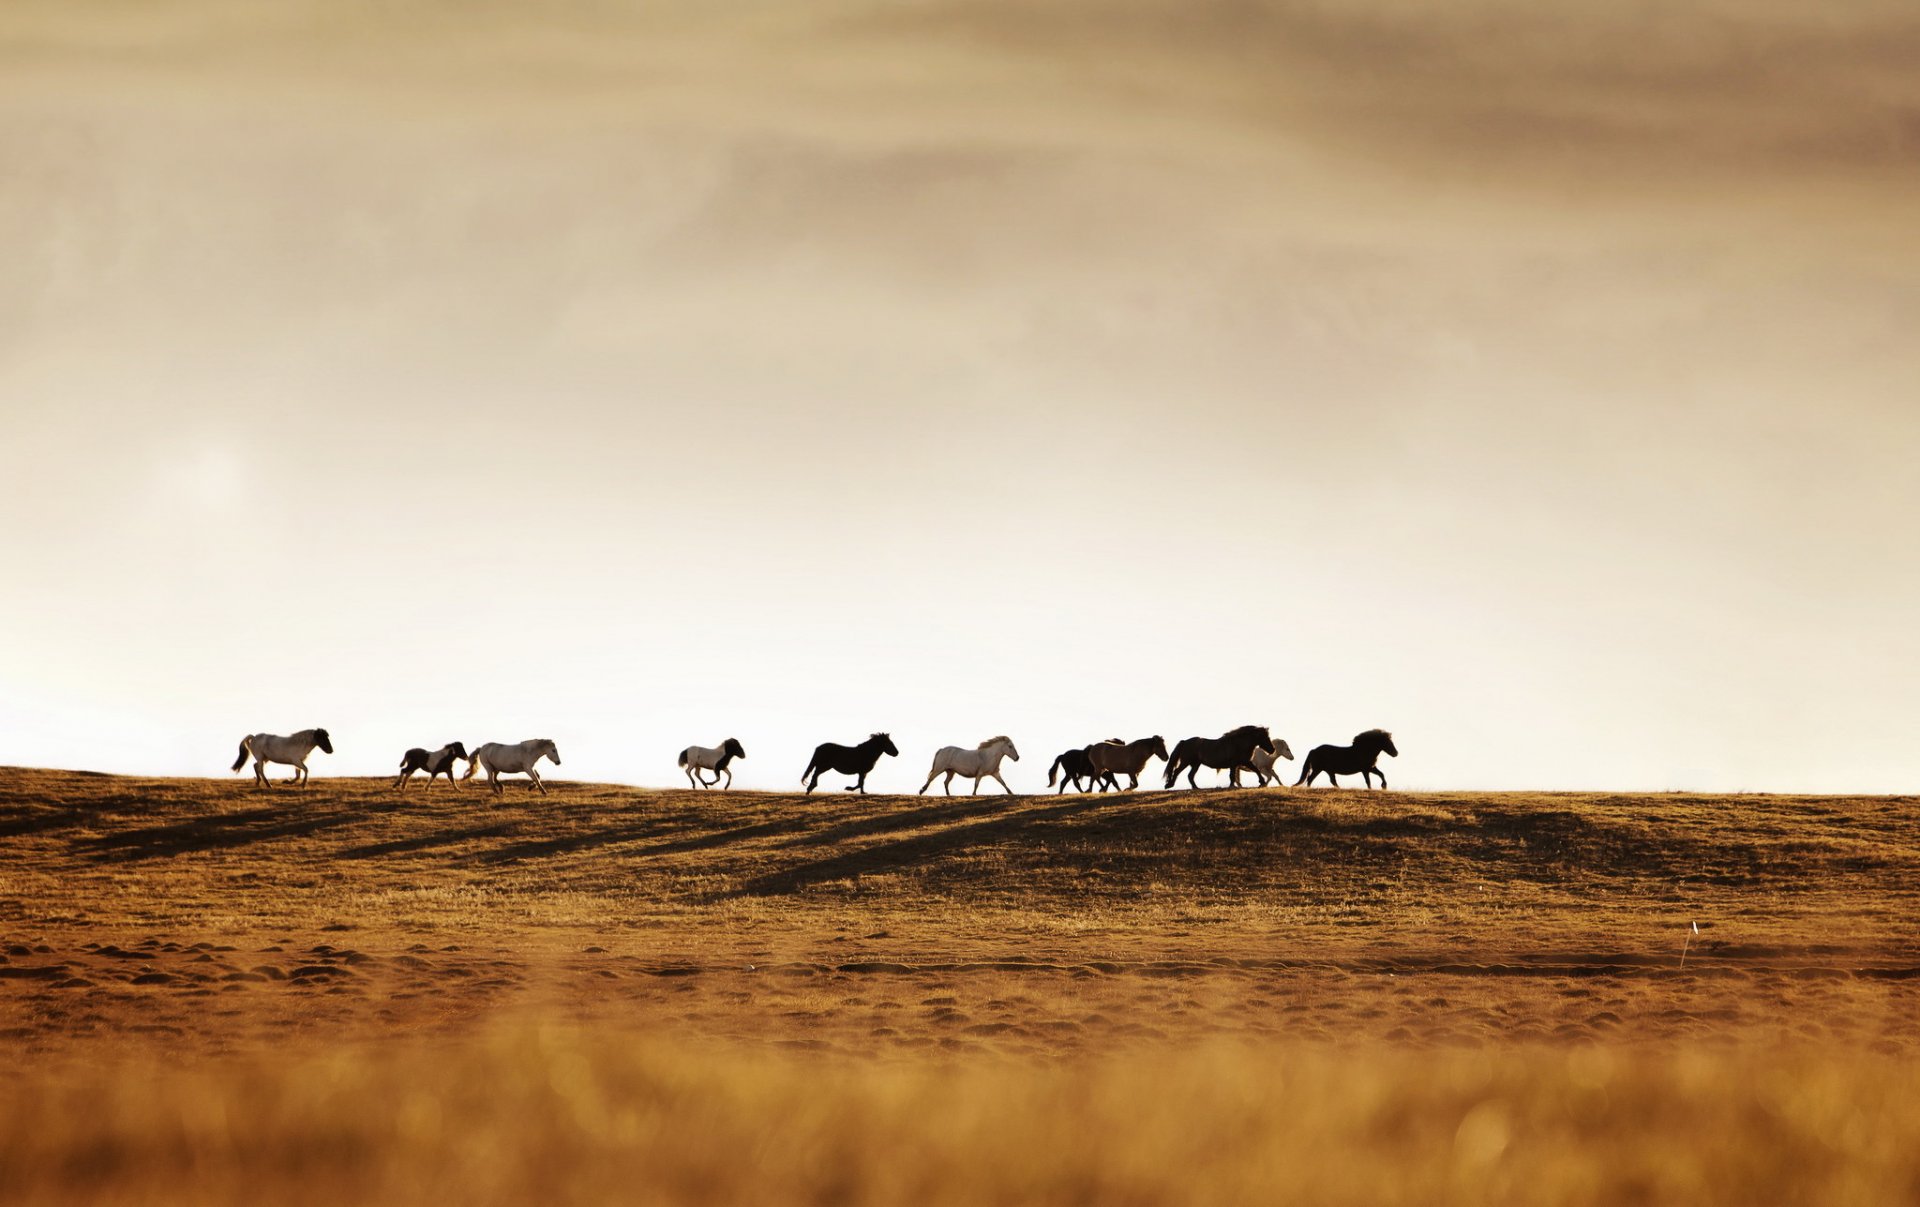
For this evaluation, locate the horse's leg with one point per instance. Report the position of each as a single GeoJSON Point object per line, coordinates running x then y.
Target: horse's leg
{"type": "Point", "coordinates": [535, 776]}
{"type": "Point", "coordinates": [946, 785]}
{"type": "Point", "coordinates": [729, 771]}
{"type": "Point", "coordinates": [1003, 783]}
{"type": "Point", "coordinates": [493, 781]}
{"type": "Point", "coordinates": [935, 770]}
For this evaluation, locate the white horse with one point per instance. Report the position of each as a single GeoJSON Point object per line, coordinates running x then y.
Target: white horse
{"type": "Point", "coordinates": [982, 762]}
{"type": "Point", "coordinates": [1263, 760]}
{"type": "Point", "coordinates": [711, 758]}
{"type": "Point", "coordinates": [513, 760]}
{"type": "Point", "coordinates": [291, 750]}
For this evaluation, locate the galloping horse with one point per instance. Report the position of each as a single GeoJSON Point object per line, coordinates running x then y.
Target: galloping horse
{"type": "Point", "coordinates": [1073, 765]}
{"type": "Point", "coordinates": [513, 760]}
{"type": "Point", "coordinates": [291, 750]}
{"type": "Point", "coordinates": [1357, 759]}
{"type": "Point", "coordinates": [711, 758]}
{"type": "Point", "coordinates": [1261, 764]}
{"type": "Point", "coordinates": [1114, 758]}
{"type": "Point", "coordinates": [982, 762]}
{"type": "Point", "coordinates": [436, 763]}
{"type": "Point", "coordinates": [847, 760]}
{"type": "Point", "coordinates": [1228, 752]}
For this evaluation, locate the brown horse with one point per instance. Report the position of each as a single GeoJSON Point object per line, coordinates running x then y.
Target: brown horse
{"type": "Point", "coordinates": [1113, 758]}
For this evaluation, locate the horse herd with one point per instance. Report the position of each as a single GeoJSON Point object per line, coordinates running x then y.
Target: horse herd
{"type": "Point", "coordinates": [1249, 748]}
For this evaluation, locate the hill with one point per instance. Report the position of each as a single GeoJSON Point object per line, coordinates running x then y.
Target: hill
{"type": "Point", "coordinates": [1368, 946]}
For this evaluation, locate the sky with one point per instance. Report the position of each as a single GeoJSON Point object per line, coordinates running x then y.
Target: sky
{"type": "Point", "coordinates": [1536, 382]}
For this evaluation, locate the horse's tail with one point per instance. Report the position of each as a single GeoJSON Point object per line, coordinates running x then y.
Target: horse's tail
{"type": "Point", "coordinates": [244, 751]}
{"type": "Point", "coordinates": [1306, 769]}
{"type": "Point", "coordinates": [683, 756]}
{"type": "Point", "coordinates": [1056, 767]}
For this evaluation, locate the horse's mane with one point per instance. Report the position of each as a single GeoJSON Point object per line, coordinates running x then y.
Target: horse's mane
{"type": "Point", "coordinates": [1242, 729]}
{"type": "Point", "coordinates": [1372, 737]}
{"type": "Point", "coordinates": [997, 738]}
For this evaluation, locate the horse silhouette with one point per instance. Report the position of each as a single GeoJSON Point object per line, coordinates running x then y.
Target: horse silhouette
{"type": "Point", "coordinates": [1228, 752]}
{"type": "Point", "coordinates": [1074, 766]}
{"type": "Point", "coordinates": [1357, 759]}
{"type": "Point", "coordinates": [847, 760]}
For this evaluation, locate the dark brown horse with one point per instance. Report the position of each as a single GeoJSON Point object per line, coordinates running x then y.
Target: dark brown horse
{"type": "Point", "coordinates": [847, 760]}
{"type": "Point", "coordinates": [1227, 753]}
{"type": "Point", "coordinates": [1074, 765]}
{"type": "Point", "coordinates": [1357, 759]}
{"type": "Point", "coordinates": [1113, 758]}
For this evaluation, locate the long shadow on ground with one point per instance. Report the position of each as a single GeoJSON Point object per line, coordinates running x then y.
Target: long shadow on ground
{"type": "Point", "coordinates": [892, 856]}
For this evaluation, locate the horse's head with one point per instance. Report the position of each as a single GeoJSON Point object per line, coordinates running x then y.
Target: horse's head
{"type": "Point", "coordinates": [1281, 750]}
{"type": "Point", "coordinates": [1000, 740]}
{"type": "Point", "coordinates": [886, 744]}
{"type": "Point", "coordinates": [733, 747]}
{"type": "Point", "coordinates": [1159, 746]}
{"type": "Point", "coordinates": [553, 751]}
{"type": "Point", "coordinates": [458, 751]}
{"type": "Point", "coordinates": [1012, 752]}
{"type": "Point", "coordinates": [1377, 739]}
{"type": "Point", "coordinates": [323, 741]}
{"type": "Point", "coordinates": [1262, 740]}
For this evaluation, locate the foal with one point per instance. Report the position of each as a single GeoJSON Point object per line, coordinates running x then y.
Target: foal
{"type": "Point", "coordinates": [434, 763]}
{"type": "Point", "coordinates": [711, 758]}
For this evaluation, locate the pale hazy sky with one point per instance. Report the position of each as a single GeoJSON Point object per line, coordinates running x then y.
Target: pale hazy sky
{"type": "Point", "coordinates": [1535, 381]}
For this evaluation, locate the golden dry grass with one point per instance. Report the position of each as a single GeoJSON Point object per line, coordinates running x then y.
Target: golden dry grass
{"type": "Point", "coordinates": [214, 994]}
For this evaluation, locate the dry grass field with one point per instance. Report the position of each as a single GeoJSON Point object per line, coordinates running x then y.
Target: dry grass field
{"type": "Point", "coordinates": [216, 995]}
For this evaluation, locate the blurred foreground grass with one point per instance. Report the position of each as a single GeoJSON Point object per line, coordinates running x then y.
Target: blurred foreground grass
{"type": "Point", "coordinates": [550, 1115]}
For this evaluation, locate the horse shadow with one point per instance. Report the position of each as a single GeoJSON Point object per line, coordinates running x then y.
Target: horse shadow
{"type": "Point", "coordinates": [619, 835]}
{"type": "Point", "coordinates": [975, 807]}
{"type": "Point", "coordinates": [218, 831]}
{"type": "Point", "coordinates": [906, 852]}
{"type": "Point", "coordinates": [445, 838]}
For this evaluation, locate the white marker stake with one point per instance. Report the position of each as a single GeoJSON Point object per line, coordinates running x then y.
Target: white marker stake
{"type": "Point", "coordinates": [1694, 930]}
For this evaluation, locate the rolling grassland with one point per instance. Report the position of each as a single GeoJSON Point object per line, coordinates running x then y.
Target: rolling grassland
{"type": "Point", "coordinates": [212, 995]}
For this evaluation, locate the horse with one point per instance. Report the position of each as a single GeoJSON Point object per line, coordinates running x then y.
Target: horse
{"type": "Point", "coordinates": [1228, 753]}
{"type": "Point", "coordinates": [512, 760]}
{"type": "Point", "coordinates": [434, 763]}
{"type": "Point", "coordinates": [982, 762]}
{"type": "Point", "coordinates": [847, 760]}
{"type": "Point", "coordinates": [1261, 764]}
{"type": "Point", "coordinates": [711, 758]}
{"type": "Point", "coordinates": [292, 750]}
{"type": "Point", "coordinates": [1074, 765]}
{"type": "Point", "coordinates": [1357, 759]}
{"type": "Point", "coordinates": [1113, 757]}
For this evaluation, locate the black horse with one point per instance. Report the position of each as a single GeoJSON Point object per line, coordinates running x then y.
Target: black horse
{"type": "Point", "coordinates": [1357, 759]}
{"type": "Point", "coordinates": [1072, 765]}
{"type": "Point", "coordinates": [1225, 753]}
{"type": "Point", "coordinates": [847, 760]}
